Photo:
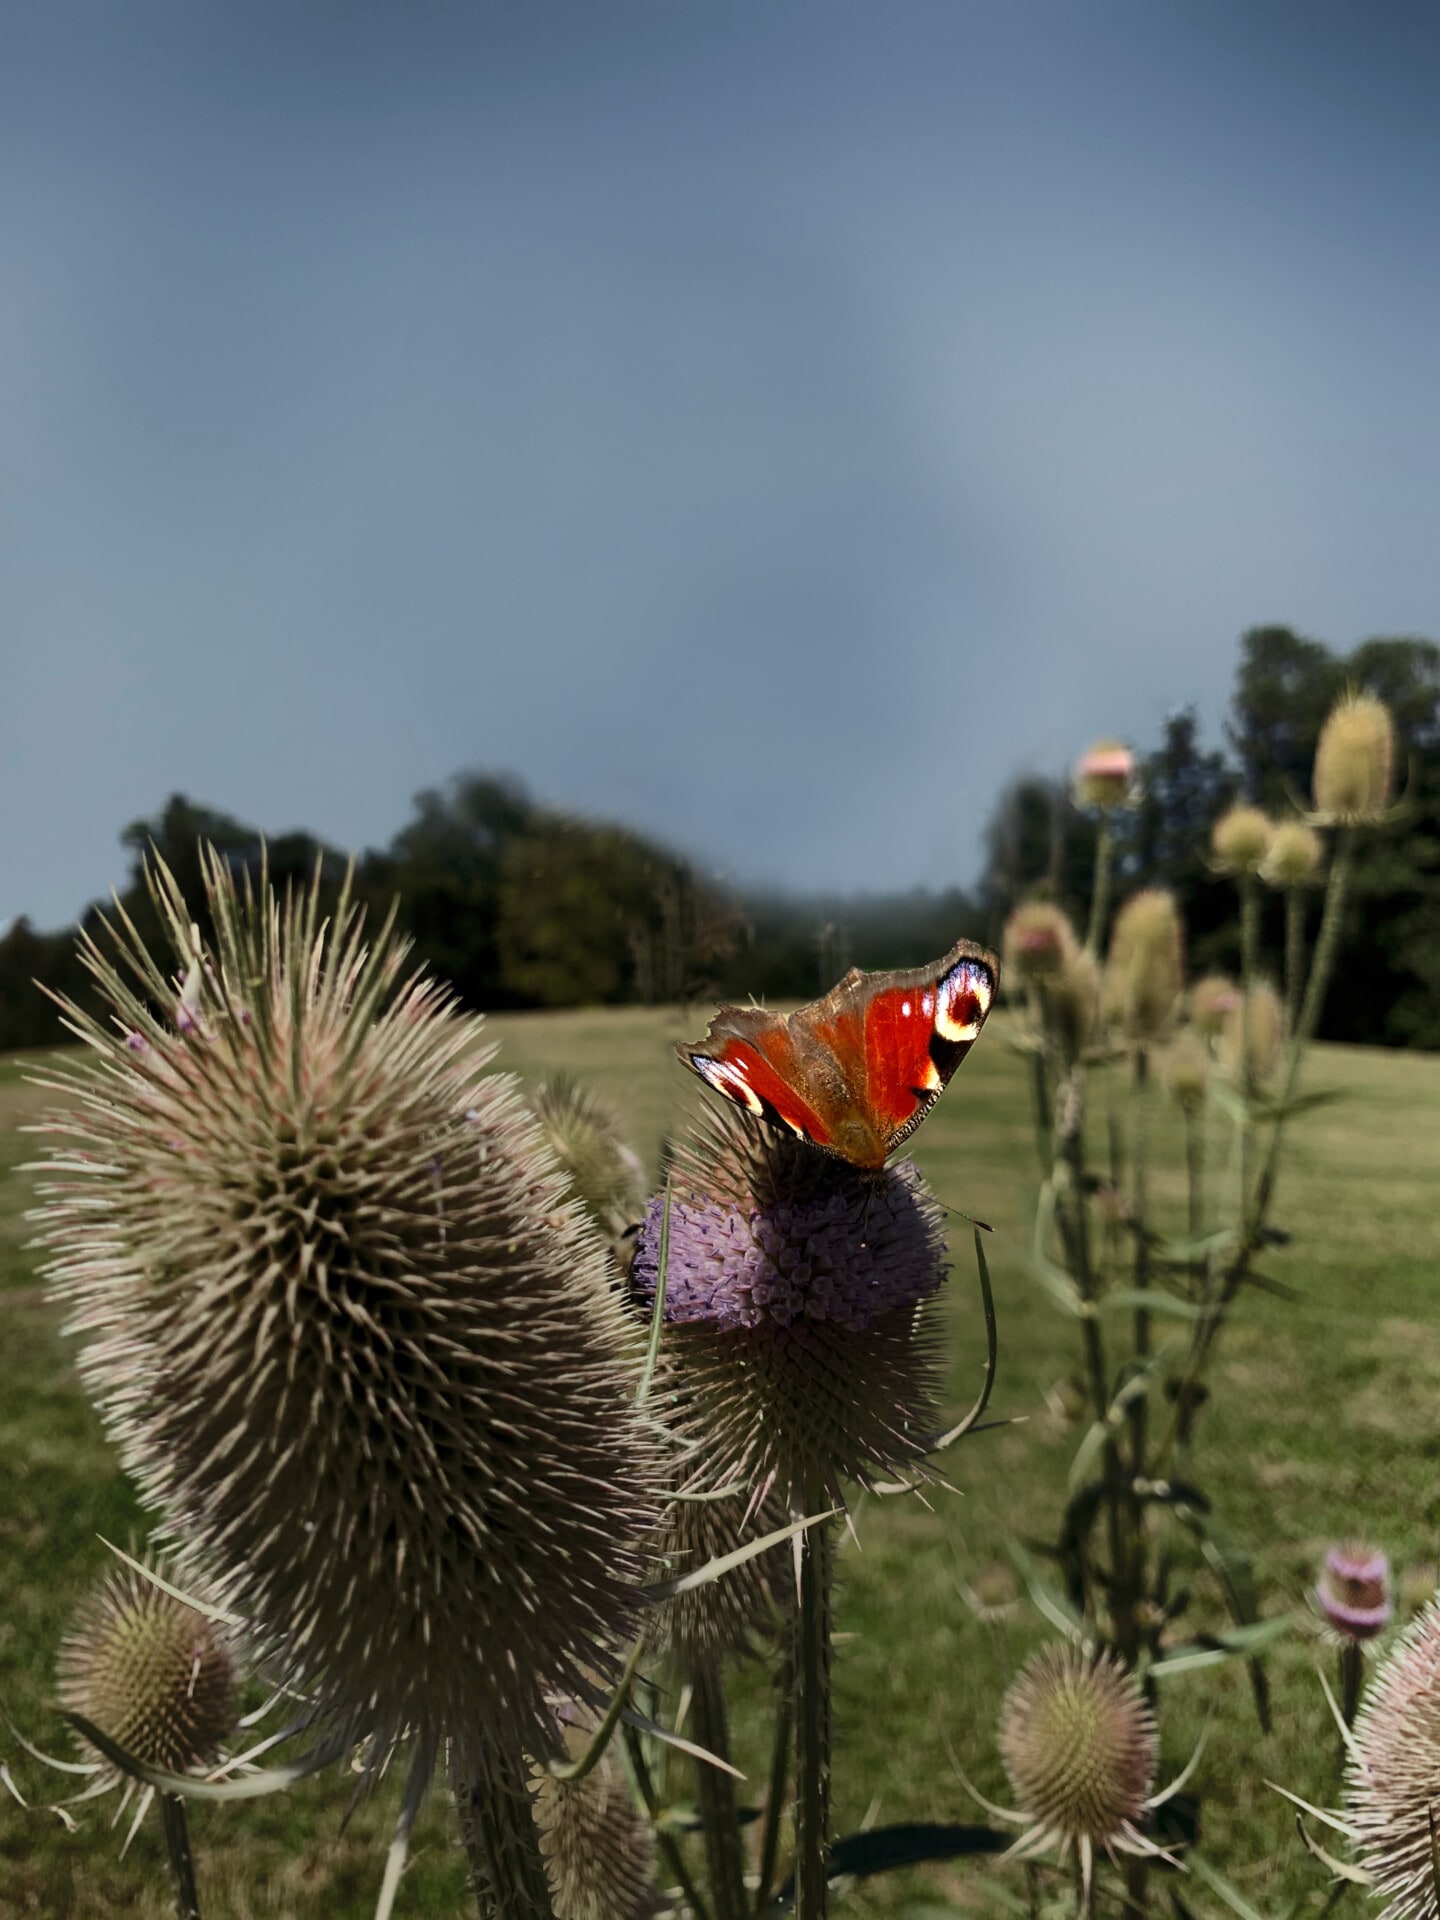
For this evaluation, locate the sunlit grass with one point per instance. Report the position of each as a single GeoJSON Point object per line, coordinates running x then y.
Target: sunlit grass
{"type": "Point", "coordinates": [1323, 1423]}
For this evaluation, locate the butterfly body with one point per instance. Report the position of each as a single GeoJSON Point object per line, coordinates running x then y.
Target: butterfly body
{"type": "Point", "coordinates": [855, 1072]}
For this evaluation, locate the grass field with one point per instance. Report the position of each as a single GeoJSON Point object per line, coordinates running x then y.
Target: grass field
{"type": "Point", "coordinates": [1324, 1423]}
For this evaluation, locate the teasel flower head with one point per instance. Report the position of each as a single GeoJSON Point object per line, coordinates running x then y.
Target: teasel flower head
{"type": "Point", "coordinates": [739, 1613]}
{"type": "Point", "coordinates": [1105, 776]}
{"type": "Point", "coordinates": [1144, 972]}
{"type": "Point", "coordinates": [1254, 1031]}
{"type": "Point", "coordinates": [606, 1176]}
{"type": "Point", "coordinates": [1354, 1591]}
{"type": "Point", "coordinates": [1355, 761]}
{"type": "Point", "coordinates": [151, 1671]}
{"type": "Point", "coordinates": [1240, 839]}
{"type": "Point", "coordinates": [1073, 1001]}
{"type": "Point", "coordinates": [598, 1849]}
{"type": "Point", "coordinates": [1039, 942]}
{"type": "Point", "coordinates": [352, 1340]}
{"type": "Point", "coordinates": [798, 1299]}
{"type": "Point", "coordinates": [1080, 1747]}
{"type": "Point", "coordinates": [1185, 1070]}
{"type": "Point", "coordinates": [1212, 1000]}
{"type": "Point", "coordinates": [1394, 1761]}
{"type": "Point", "coordinates": [1294, 857]}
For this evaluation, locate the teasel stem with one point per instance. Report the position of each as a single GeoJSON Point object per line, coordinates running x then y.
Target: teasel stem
{"type": "Point", "coordinates": [1352, 1673]}
{"type": "Point", "coordinates": [664, 1842]}
{"type": "Point", "coordinates": [719, 1816]}
{"type": "Point", "coordinates": [779, 1775]}
{"type": "Point", "coordinates": [1100, 889]}
{"type": "Point", "coordinates": [502, 1842]}
{"type": "Point", "coordinates": [1249, 951]}
{"type": "Point", "coordinates": [1129, 1592]}
{"type": "Point", "coordinates": [812, 1664]}
{"type": "Point", "coordinates": [176, 1829]}
{"type": "Point", "coordinates": [1294, 954]}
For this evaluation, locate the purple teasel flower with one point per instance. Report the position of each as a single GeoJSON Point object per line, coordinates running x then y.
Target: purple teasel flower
{"type": "Point", "coordinates": [1354, 1591]}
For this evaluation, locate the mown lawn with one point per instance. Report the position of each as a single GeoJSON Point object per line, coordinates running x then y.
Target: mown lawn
{"type": "Point", "coordinates": [1323, 1424]}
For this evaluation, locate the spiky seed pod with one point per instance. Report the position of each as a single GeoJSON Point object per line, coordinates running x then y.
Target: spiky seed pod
{"type": "Point", "coordinates": [1355, 760]}
{"type": "Point", "coordinates": [1185, 1069]}
{"type": "Point", "coordinates": [1240, 839]}
{"type": "Point", "coordinates": [1255, 1023]}
{"type": "Point", "coordinates": [1354, 1591]}
{"type": "Point", "coordinates": [1392, 1770]}
{"type": "Point", "coordinates": [1080, 1745]}
{"type": "Point", "coordinates": [797, 1295]}
{"type": "Point", "coordinates": [345, 1328]}
{"type": "Point", "coordinates": [1294, 857]}
{"type": "Point", "coordinates": [739, 1612]}
{"type": "Point", "coordinates": [599, 1850]}
{"type": "Point", "coordinates": [1211, 1001]}
{"type": "Point", "coordinates": [585, 1136]}
{"type": "Point", "coordinates": [1144, 972]}
{"type": "Point", "coordinates": [1074, 1002]}
{"type": "Point", "coordinates": [156, 1675]}
{"type": "Point", "coordinates": [1039, 942]}
{"type": "Point", "coordinates": [1105, 775]}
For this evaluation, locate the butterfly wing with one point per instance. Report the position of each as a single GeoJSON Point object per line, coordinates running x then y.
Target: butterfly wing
{"type": "Point", "coordinates": [751, 1057]}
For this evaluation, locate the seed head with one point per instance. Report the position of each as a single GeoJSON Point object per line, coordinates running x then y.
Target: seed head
{"type": "Point", "coordinates": [1080, 1745]}
{"type": "Point", "coordinates": [1355, 760]}
{"type": "Point", "coordinates": [585, 1136]}
{"type": "Point", "coordinates": [1144, 973]}
{"type": "Point", "coordinates": [1039, 942]}
{"type": "Point", "coordinates": [1211, 1001]}
{"type": "Point", "coordinates": [154, 1674]}
{"type": "Point", "coordinates": [1074, 1001]}
{"type": "Point", "coordinates": [1354, 1590]}
{"type": "Point", "coordinates": [599, 1851]}
{"type": "Point", "coordinates": [1390, 1786]}
{"type": "Point", "coordinates": [348, 1333]}
{"type": "Point", "coordinates": [1105, 775]}
{"type": "Point", "coordinates": [1254, 1032]}
{"type": "Point", "coordinates": [796, 1294]}
{"type": "Point", "coordinates": [1294, 856]}
{"type": "Point", "coordinates": [1186, 1070]}
{"type": "Point", "coordinates": [1240, 839]}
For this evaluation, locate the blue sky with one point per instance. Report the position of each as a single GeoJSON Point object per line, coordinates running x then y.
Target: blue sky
{"type": "Point", "coordinates": [775, 425]}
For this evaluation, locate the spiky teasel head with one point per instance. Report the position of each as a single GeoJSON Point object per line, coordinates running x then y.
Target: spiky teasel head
{"type": "Point", "coordinates": [1212, 1000]}
{"type": "Point", "coordinates": [1073, 1001]}
{"type": "Point", "coordinates": [1393, 1766]}
{"type": "Point", "coordinates": [1105, 775]}
{"type": "Point", "coordinates": [1294, 857]}
{"type": "Point", "coordinates": [739, 1612]}
{"type": "Point", "coordinates": [1240, 839]}
{"type": "Point", "coordinates": [1253, 1035]}
{"type": "Point", "coordinates": [796, 1298]}
{"type": "Point", "coordinates": [585, 1136]}
{"type": "Point", "coordinates": [154, 1673]}
{"type": "Point", "coordinates": [347, 1331]}
{"type": "Point", "coordinates": [1354, 1591]}
{"type": "Point", "coordinates": [1355, 761]}
{"type": "Point", "coordinates": [1039, 942]}
{"type": "Point", "coordinates": [1185, 1070]}
{"type": "Point", "coordinates": [1144, 972]}
{"type": "Point", "coordinates": [598, 1849]}
{"type": "Point", "coordinates": [1080, 1748]}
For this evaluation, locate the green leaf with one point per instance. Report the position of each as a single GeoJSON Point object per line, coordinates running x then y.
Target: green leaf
{"type": "Point", "coordinates": [1154, 1300]}
{"type": "Point", "coordinates": [250, 1786]}
{"type": "Point", "coordinates": [1056, 1609]}
{"type": "Point", "coordinates": [1218, 1884]}
{"type": "Point", "coordinates": [1240, 1643]}
{"type": "Point", "coordinates": [726, 1562]}
{"type": "Point", "coordinates": [1056, 1282]}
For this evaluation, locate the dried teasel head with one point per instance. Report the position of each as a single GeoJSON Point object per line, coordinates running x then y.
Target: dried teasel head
{"type": "Point", "coordinates": [1144, 972]}
{"type": "Point", "coordinates": [1211, 1001]}
{"type": "Point", "coordinates": [1354, 775]}
{"type": "Point", "coordinates": [797, 1300]}
{"type": "Point", "coordinates": [585, 1136]}
{"type": "Point", "coordinates": [155, 1674]}
{"type": "Point", "coordinates": [347, 1331]}
{"type": "Point", "coordinates": [1240, 839]}
{"type": "Point", "coordinates": [1254, 1032]}
{"type": "Point", "coordinates": [1294, 857]}
{"type": "Point", "coordinates": [1039, 942]}
{"type": "Point", "coordinates": [1185, 1070]}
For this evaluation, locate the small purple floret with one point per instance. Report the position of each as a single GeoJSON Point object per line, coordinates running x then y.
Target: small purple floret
{"type": "Point", "coordinates": [847, 1257]}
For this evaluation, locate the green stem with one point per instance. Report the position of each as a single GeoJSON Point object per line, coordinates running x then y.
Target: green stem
{"type": "Point", "coordinates": [176, 1829]}
{"type": "Point", "coordinates": [719, 1815]}
{"type": "Point", "coordinates": [664, 1841]}
{"type": "Point", "coordinates": [775, 1796]}
{"type": "Point", "coordinates": [812, 1658]}
{"type": "Point", "coordinates": [1100, 889]}
{"type": "Point", "coordinates": [1352, 1673]}
{"type": "Point", "coordinates": [1249, 954]}
{"type": "Point", "coordinates": [502, 1842]}
{"type": "Point", "coordinates": [1294, 953]}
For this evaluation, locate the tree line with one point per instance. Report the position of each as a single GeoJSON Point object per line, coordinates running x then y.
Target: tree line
{"type": "Point", "coordinates": [518, 905]}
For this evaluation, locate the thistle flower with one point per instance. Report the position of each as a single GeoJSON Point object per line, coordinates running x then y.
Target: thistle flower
{"type": "Point", "coordinates": [1355, 760]}
{"type": "Point", "coordinates": [1394, 1761]}
{"type": "Point", "coordinates": [1294, 856]}
{"type": "Point", "coordinates": [1254, 1032]}
{"type": "Point", "coordinates": [1240, 839]}
{"type": "Point", "coordinates": [1354, 1591]}
{"type": "Point", "coordinates": [344, 1327]}
{"type": "Point", "coordinates": [1039, 942]}
{"type": "Point", "coordinates": [796, 1292]}
{"type": "Point", "coordinates": [1211, 1001]}
{"type": "Point", "coordinates": [1080, 1748]}
{"type": "Point", "coordinates": [1143, 975]}
{"type": "Point", "coordinates": [1105, 775]}
{"type": "Point", "coordinates": [599, 1851]}
{"type": "Point", "coordinates": [585, 1136]}
{"type": "Point", "coordinates": [154, 1673]}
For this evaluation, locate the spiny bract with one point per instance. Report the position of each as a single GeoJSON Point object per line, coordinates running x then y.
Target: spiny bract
{"type": "Point", "coordinates": [348, 1334]}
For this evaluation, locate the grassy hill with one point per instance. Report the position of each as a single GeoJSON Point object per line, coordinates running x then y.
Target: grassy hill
{"type": "Point", "coordinates": [1324, 1424]}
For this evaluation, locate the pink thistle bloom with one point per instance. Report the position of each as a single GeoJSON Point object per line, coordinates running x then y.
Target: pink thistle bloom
{"type": "Point", "coordinates": [1354, 1591]}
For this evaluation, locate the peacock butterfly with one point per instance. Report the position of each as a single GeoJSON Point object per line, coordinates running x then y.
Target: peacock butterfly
{"type": "Point", "coordinates": [856, 1072]}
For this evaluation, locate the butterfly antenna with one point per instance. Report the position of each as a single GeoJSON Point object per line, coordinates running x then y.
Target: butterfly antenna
{"type": "Point", "coordinates": [968, 1218]}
